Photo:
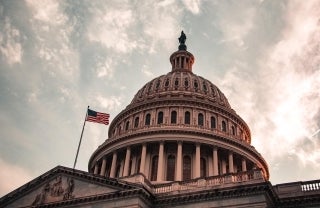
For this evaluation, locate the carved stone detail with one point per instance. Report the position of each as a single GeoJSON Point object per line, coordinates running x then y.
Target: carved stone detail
{"type": "Point", "coordinates": [59, 189]}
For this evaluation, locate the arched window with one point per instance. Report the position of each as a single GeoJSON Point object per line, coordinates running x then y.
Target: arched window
{"type": "Point", "coordinates": [195, 84]}
{"type": "Point", "coordinates": [174, 117]}
{"type": "Point", "coordinates": [148, 119]}
{"type": "Point", "coordinates": [204, 87]}
{"type": "Point", "coordinates": [187, 117]}
{"type": "Point", "coordinates": [224, 126]}
{"type": "Point", "coordinates": [127, 125]}
{"type": "Point", "coordinates": [200, 119]}
{"type": "Point", "coordinates": [154, 168]}
{"type": "Point", "coordinates": [176, 82]}
{"type": "Point", "coordinates": [119, 129]}
{"type": "Point", "coordinates": [213, 122]}
{"type": "Point", "coordinates": [203, 167]}
{"type": "Point", "coordinates": [158, 84]}
{"type": "Point", "coordinates": [136, 122]}
{"type": "Point", "coordinates": [160, 117]}
{"type": "Point", "coordinates": [233, 130]}
{"type": "Point", "coordinates": [166, 84]}
{"type": "Point", "coordinates": [171, 168]}
{"type": "Point", "coordinates": [186, 82]}
{"type": "Point", "coordinates": [186, 167]}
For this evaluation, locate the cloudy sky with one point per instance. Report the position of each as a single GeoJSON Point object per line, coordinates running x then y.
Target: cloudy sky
{"type": "Point", "coordinates": [58, 57]}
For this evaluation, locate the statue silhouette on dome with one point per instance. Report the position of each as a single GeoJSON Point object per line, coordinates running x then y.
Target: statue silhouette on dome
{"type": "Point", "coordinates": [182, 38]}
{"type": "Point", "coordinates": [182, 41]}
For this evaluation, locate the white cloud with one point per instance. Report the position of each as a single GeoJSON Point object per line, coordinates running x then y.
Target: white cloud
{"type": "Point", "coordinates": [236, 26]}
{"type": "Point", "coordinates": [110, 27]}
{"type": "Point", "coordinates": [12, 177]}
{"type": "Point", "coordinates": [10, 46]}
{"type": "Point", "coordinates": [114, 26]}
{"type": "Point", "coordinates": [146, 70]}
{"type": "Point", "coordinates": [161, 23]}
{"type": "Point", "coordinates": [47, 11]}
{"type": "Point", "coordinates": [33, 97]}
{"type": "Point", "coordinates": [53, 35]}
{"type": "Point", "coordinates": [193, 5]}
{"type": "Point", "coordinates": [105, 68]}
{"type": "Point", "coordinates": [281, 101]}
{"type": "Point", "coordinates": [110, 103]}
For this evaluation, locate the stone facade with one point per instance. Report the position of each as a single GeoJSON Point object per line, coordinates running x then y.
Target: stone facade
{"type": "Point", "coordinates": [177, 144]}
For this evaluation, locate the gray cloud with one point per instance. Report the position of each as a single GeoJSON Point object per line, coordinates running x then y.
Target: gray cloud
{"type": "Point", "coordinates": [59, 57]}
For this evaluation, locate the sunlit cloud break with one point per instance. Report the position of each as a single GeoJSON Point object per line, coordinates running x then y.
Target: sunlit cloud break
{"type": "Point", "coordinates": [293, 96]}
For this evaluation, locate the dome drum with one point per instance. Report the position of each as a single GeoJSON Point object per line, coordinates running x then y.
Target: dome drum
{"type": "Point", "coordinates": [164, 149]}
{"type": "Point", "coordinates": [179, 115]}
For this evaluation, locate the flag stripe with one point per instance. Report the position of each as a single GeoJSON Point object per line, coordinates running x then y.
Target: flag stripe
{"type": "Point", "coordinates": [98, 117]}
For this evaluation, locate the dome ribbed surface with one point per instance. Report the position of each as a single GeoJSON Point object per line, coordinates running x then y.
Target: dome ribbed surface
{"type": "Point", "coordinates": [181, 84]}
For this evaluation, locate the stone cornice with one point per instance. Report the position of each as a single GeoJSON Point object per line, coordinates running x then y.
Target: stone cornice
{"type": "Point", "coordinates": [141, 193]}
{"type": "Point", "coordinates": [215, 194]}
{"type": "Point", "coordinates": [299, 201]}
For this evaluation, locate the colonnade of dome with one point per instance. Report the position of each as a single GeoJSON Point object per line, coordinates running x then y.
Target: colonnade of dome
{"type": "Point", "coordinates": [178, 127]}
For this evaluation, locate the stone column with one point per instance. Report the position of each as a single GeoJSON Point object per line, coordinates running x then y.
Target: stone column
{"type": "Point", "coordinates": [127, 162]}
{"type": "Point", "coordinates": [103, 166]}
{"type": "Point", "coordinates": [133, 168]}
{"type": "Point", "coordinates": [210, 166]}
{"type": "Point", "coordinates": [244, 164]}
{"type": "Point", "coordinates": [179, 162]}
{"type": "Point", "coordinates": [96, 168]}
{"type": "Point", "coordinates": [197, 165]}
{"type": "Point", "coordinates": [230, 162]}
{"type": "Point", "coordinates": [160, 163]}
{"type": "Point", "coordinates": [215, 161]}
{"type": "Point", "coordinates": [113, 165]}
{"type": "Point", "coordinates": [223, 166]}
{"type": "Point", "coordinates": [143, 158]}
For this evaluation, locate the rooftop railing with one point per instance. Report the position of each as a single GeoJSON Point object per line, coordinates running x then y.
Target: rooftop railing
{"type": "Point", "coordinates": [310, 185]}
{"type": "Point", "coordinates": [227, 180]}
{"type": "Point", "coordinates": [300, 188]}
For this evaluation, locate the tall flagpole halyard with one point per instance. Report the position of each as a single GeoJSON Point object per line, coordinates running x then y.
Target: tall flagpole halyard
{"type": "Point", "coordinates": [84, 123]}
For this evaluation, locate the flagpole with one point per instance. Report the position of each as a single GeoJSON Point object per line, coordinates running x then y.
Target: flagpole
{"type": "Point", "coordinates": [84, 123]}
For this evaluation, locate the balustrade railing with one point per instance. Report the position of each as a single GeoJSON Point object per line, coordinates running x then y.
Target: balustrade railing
{"type": "Point", "coordinates": [310, 185]}
{"type": "Point", "coordinates": [209, 182]}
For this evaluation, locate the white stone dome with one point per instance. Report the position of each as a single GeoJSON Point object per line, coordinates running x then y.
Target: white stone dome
{"type": "Point", "coordinates": [178, 127]}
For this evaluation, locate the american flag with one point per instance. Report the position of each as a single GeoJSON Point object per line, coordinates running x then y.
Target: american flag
{"type": "Point", "coordinates": [97, 117]}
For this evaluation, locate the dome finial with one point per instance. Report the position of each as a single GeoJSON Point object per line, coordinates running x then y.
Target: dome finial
{"type": "Point", "coordinates": [182, 40]}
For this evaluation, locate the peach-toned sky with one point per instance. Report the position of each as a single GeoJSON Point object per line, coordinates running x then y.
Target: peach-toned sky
{"type": "Point", "coordinates": [58, 57]}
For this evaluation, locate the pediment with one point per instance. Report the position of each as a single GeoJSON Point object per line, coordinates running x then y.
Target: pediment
{"type": "Point", "coordinates": [61, 184]}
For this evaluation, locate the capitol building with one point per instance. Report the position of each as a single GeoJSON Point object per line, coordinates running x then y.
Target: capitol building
{"type": "Point", "coordinates": [178, 143]}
